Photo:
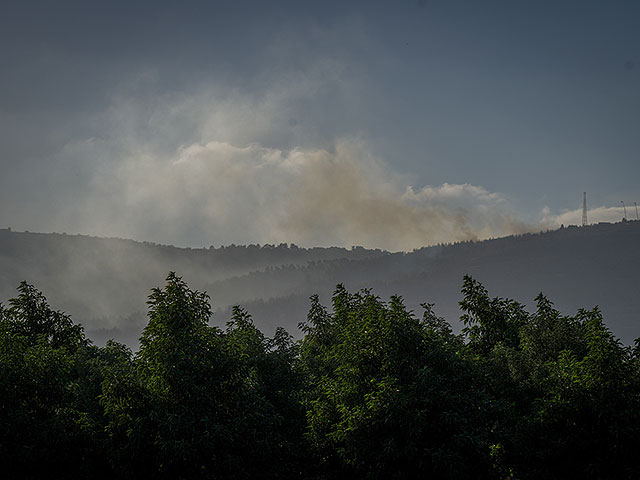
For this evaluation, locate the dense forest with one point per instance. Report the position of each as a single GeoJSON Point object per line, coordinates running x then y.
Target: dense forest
{"type": "Point", "coordinates": [371, 391]}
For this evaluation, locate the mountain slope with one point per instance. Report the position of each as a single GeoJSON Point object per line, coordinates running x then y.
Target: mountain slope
{"type": "Point", "coordinates": [103, 283]}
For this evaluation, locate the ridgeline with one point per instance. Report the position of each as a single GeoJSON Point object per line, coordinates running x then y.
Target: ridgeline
{"type": "Point", "coordinates": [103, 282]}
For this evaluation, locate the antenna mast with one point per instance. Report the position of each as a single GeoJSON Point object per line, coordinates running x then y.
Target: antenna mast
{"type": "Point", "coordinates": [584, 209]}
{"type": "Point", "coordinates": [625, 209]}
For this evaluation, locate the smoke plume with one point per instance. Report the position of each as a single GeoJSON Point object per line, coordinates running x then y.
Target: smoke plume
{"type": "Point", "coordinates": [197, 170]}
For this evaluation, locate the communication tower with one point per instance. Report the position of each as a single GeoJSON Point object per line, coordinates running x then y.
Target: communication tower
{"type": "Point", "coordinates": [584, 209]}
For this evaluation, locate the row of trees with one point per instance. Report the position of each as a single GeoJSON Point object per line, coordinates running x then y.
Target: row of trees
{"type": "Point", "coordinates": [370, 392]}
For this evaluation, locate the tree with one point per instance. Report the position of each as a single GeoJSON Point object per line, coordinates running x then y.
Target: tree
{"type": "Point", "coordinates": [197, 402]}
{"type": "Point", "coordinates": [391, 396]}
{"type": "Point", "coordinates": [168, 412]}
{"type": "Point", "coordinates": [50, 418]}
{"type": "Point", "coordinates": [568, 391]}
{"type": "Point", "coordinates": [272, 420]}
{"type": "Point", "coordinates": [29, 315]}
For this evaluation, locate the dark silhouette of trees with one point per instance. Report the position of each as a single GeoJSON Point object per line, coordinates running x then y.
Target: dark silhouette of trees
{"type": "Point", "coordinates": [51, 423]}
{"type": "Point", "coordinates": [197, 402]}
{"type": "Point", "coordinates": [372, 391]}
{"type": "Point", "coordinates": [390, 395]}
{"type": "Point", "coordinates": [568, 390]}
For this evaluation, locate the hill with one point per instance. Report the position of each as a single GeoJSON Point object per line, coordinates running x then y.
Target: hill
{"type": "Point", "coordinates": [103, 283]}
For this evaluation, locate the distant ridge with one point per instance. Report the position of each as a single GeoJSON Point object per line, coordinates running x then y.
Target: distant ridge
{"type": "Point", "coordinates": [103, 283]}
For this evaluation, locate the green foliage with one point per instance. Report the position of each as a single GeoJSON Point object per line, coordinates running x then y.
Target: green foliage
{"type": "Point", "coordinates": [371, 391]}
{"type": "Point", "coordinates": [491, 322]}
{"type": "Point", "coordinates": [271, 422]}
{"type": "Point", "coordinates": [50, 418]}
{"type": "Point", "coordinates": [196, 402]}
{"type": "Point", "coordinates": [29, 315]}
{"type": "Point", "coordinates": [570, 391]}
{"type": "Point", "coordinates": [390, 396]}
{"type": "Point", "coordinates": [167, 407]}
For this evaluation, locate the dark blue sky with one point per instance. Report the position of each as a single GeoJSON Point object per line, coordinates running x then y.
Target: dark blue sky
{"type": "Point", "coordinates": [529, 102]}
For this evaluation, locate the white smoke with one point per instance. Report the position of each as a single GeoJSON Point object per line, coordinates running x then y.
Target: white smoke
{"type": "Point", "coordinates": [200, 169]}
{"type": "Point", "coordinates": [218, 192]}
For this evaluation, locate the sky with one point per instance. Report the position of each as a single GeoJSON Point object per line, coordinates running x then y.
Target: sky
{"type": "Point", "coordinates": [384, 124]}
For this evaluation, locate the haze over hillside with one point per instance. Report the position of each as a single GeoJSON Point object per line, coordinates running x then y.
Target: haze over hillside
{"type": "Point", "coordinates": [103, 283]}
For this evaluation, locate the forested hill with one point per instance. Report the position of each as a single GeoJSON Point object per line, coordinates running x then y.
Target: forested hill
{"type": "Point", "coordinates": [575, 267]}
{"type": "Point", "coordinates": [102, 283]}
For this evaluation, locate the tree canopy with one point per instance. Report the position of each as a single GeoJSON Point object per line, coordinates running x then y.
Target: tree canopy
{"type": "Point", "coordinates": [371, 391]}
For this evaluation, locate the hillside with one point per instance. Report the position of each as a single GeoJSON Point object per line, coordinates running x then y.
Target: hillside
{"type": "Point", "coordinates": [103, 283]}
{"type": "Point", "coordinates": [575, 267]}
